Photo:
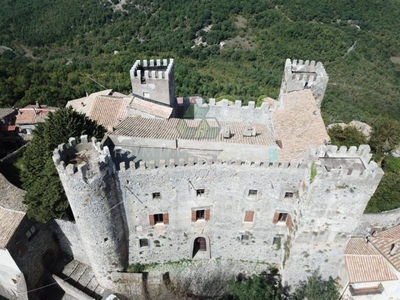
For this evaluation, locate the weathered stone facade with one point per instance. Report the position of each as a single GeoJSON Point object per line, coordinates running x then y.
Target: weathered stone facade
{"type": "Point", "coordinates": [151, 192]}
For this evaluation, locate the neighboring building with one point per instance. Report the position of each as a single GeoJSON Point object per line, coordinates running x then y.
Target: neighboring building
{"type": "Point", "coordinates": [29, 116]}
{"type": "Point", "coordinates": [233, 182]}
{"type": "Point", "coordinates": [109, 108]}
{"type": "Point", "coordinates": [26, 247]}
{"type": "Point", "coordinates": [9, 138]}
{"type": "Point", "coordinates": [373, 265]}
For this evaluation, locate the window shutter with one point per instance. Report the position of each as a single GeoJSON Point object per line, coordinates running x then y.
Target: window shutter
{"type": "Point", "coordinates": [193, 216]}
{"type": "Point", "coordinates": [207, 214]}
{"type": "Point", "coordinates": [289, 222]}
{"type": "Point", "coordinates": [165, 218]}
{"type": "Point", "coordinates": [249, 216]}
{"type": "Point", "coordinates": [151, 219]}
{"type": "Point", "coordinates": [276, 217]}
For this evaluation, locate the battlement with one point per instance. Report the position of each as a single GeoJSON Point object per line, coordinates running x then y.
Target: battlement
{"type": "Point", "coordinates": [347, 163]}
{"type": "Point", "coordinates": [227, 104]}
{"type": "Point", "coordinates": [224, 110]}
{"type": "Point", "coordinates": [76, 158]}
{"type": "Point", "coordinates": [300, 75]}
{"type": "Point", "coordinates": [199, 162]}
{"type": "Point", "coordinates": [152, 69]}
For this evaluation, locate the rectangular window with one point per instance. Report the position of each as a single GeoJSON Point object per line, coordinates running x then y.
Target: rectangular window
{"type": "Point", "coordinates": [200, 214]}
{"type": "Point", "coordinates": [156, 195]}
{"type": "Point", "coordinates": [277, 242]}
{"type": "Point", "coordinates": [144, 243]}
{"type": "Point", "coordinates": [200, 192]}
{"type": "Point", "coordinates": [244, 237]}
{"type": "Point", "coordinates": [29, 234]}
{"type": "Point", "coordinates": [289, 195]}
{"type": "Point", "coordinates": [252, 193]}
{"type": "Point", "coordinates": [282, 217]}
{"type": "Point", "coordinates": [159, 219]}
{"type": "Point", "coordinates": [249, 216]}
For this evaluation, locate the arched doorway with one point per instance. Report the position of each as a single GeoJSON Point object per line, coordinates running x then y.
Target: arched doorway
{"type": "Point", "coordinates": [200, 247]}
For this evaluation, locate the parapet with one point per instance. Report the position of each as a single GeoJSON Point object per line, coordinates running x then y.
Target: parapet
{"type": "Point", "coordinates": [152, 69]}
{"type": "Point", "coordinates": [348, 163]}
{"type": "Point", "coordinates": [79, 156]}
{"type": "Point", "coordinates": [226, 111]}
{"type": "Point", "coordinates": [199, 162]}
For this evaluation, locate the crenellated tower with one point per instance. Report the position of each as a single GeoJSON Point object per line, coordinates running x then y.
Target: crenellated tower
{"type": "Point", "coordinates": [300, 75]}
{"type": "Point", "coordinates": [154, 80]}
{"type": "Point", "coordinates": [89, 179]}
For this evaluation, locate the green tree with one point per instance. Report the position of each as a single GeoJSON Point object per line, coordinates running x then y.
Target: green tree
{"type": "Point", "coordinates": [264, 286]}
{"type": "Point", "coordinates": [386, 135]}
{"type": "Point", "coordinates": [45, 195]}
{"type": "Point", "coordinates": [347, 136]}
{"type": "Point", "coordinates": [315, 288]}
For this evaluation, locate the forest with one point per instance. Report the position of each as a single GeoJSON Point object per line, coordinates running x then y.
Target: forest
{"type": "Point", "coordinates": [61, 50]}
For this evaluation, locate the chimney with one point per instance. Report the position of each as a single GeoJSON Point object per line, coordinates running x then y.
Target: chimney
{"type": "Point", "coordinates": [394, 249]}
{"type": "Point", "coordinates": [226, 132]}
{"type": "Point", "coordinates": [38, 104]}
{"type": "Point", "coordinates": [249, 131]}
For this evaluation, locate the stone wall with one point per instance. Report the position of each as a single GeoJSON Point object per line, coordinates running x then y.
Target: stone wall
{"type": "Point", "coordinates": [32, 254]}
{"type": "Point", "coordinates": [69, 240]}
{"type": "Point", "coordinates": [224, 111]}
{"type": "Point", "coordinates": [227, 204]}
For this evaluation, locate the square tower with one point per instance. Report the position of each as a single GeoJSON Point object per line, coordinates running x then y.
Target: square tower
{"type": "Point", "coordinates": [299, 75]}
{"type": "Point", "coordinates": [153, 80]}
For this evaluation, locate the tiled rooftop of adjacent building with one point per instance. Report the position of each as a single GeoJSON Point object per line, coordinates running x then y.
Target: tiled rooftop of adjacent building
{"type": "Point", "coordinates": [4, 112]}
{"type": "Point", "coordinates": [364, 264]}
{"type": "Point", "coordinates": [384, 241]}
{"type": "Point", "coordinates": [33, 114]}
{"type": "Point", "coordinates": [201, 130]}
{"type": "Point", "coordinates": [9, 222]}
{"type": "Point", "coordinates": [11, 196]}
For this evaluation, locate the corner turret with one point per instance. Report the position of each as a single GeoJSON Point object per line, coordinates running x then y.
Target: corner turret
{"type": "Point", "coordinates": [88, 176]}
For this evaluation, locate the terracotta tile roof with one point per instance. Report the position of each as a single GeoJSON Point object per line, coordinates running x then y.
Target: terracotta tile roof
{"type": "Point", "coordinates": [205, 130]}
{"type": "Point", "coordinates": [32, 114]}
{"type": "Point", "coordinates": [359, 246]}
{"type": "Point", "coordinates": [364, 264]}
{"type": "Point", "coordinates": [11, 196]}
{"type": "Point", "coordinates": [4, 112]}
{"type": "Point", "coordinates": [84, 104]}
{"type": "Point", "coordinates": [298, 124]}
{"type": "Point", "coordinates": [384, 241]}
{"type": "Point", "coordinates": [151, 108]}
{"type": "Point", "coordinates": [9, 222]}
{"type": "Point", "coordinates": [108, 111]}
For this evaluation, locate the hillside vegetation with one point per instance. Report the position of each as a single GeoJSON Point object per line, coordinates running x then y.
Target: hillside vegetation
{"type": "Point", "coordinates": [62, 50]}
{"type": "Point", "coordinates": [60, 45]}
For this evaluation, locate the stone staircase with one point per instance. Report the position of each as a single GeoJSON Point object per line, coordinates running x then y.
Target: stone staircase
{"type": "Point", "coordinates": [82, 277]}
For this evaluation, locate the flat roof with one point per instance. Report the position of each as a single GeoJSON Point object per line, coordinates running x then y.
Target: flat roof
{"type": "Point", "coordinates": [197, 129]}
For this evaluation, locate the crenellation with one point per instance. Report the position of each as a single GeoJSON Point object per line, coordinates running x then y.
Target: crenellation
{"type": "Point", "coordinates": [145, 63]}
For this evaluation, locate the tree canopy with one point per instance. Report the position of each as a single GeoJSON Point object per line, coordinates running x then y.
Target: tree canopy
{"type": "Point", "coordinates": [267, 286]}
{"type": "Point", "coordinates": [45, 195]}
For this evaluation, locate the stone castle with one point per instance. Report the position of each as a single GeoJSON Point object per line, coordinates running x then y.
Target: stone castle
{"type": "Point", "coordinates": [232, 182]}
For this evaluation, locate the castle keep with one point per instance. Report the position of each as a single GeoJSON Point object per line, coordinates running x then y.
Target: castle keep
{"type": "Point", "coordinates": [233, 182]}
